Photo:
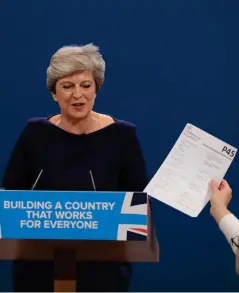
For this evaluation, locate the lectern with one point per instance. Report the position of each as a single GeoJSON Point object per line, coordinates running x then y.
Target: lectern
{"type": "Point", "coordinates": [68, 227]}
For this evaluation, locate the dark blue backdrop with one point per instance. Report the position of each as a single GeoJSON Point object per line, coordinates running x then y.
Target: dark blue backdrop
{"type": "Point", "coordinates": [168, 63]}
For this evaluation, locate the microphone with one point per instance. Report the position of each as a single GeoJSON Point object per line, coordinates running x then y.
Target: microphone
{"type": "Point", "coordinates": [38, 177]}
{"type": "Point", "coordinates": [92, 180]}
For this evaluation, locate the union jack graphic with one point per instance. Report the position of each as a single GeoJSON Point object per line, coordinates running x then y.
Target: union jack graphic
{"type": "Point", "coordinates": [134, 203]}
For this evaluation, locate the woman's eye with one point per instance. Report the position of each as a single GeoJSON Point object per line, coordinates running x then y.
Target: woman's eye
{"type": "Point", "coordinates": [86, 86]}
{"type": "Point", "coordinates": [67, 86]}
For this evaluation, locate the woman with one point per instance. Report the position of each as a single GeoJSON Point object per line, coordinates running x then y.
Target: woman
{"type": "Point", "coordinates": [228, 223]}
{"type": "Point", "coordinates": [77, 149]}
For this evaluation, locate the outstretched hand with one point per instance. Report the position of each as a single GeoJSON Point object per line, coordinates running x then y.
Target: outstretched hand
{"type": "Point", "coordinates": [220, 197]}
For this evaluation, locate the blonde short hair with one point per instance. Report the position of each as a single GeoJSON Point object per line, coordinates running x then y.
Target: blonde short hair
{"type": "Point", "coordinates": [70, 59]}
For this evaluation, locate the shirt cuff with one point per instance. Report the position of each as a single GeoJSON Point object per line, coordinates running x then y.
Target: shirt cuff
{"type": "Point", "coordinates": [229, 225]}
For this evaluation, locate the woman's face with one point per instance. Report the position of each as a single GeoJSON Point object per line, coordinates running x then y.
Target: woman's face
{"type": "Point", "coordinates": [75, 94]}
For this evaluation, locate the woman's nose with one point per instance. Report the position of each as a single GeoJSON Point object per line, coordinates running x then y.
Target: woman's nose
{"type": "Point", "coordinates": [77, 92]}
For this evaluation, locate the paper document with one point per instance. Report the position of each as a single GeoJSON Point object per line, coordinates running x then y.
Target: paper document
{"type": "Point", "coordinates": [182, 181]}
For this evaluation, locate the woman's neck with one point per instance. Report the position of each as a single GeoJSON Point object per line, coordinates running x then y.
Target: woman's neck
{"type": "Point", "coordinates": [83, 126]}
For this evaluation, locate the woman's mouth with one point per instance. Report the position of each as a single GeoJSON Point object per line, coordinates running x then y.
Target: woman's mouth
{"type": "Point", "coordinates": [78, 106]}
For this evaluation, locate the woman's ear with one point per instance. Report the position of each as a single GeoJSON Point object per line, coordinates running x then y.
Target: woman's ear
{"type": "Point", "coordinates": [54, 97]}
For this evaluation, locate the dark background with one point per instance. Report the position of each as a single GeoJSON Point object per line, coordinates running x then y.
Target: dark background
{"type": "Point", "coordinates": [168, 63]}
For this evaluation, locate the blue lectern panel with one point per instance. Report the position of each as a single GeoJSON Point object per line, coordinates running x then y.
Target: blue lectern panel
{"type": "Point", "coordinates": [73, 215]}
